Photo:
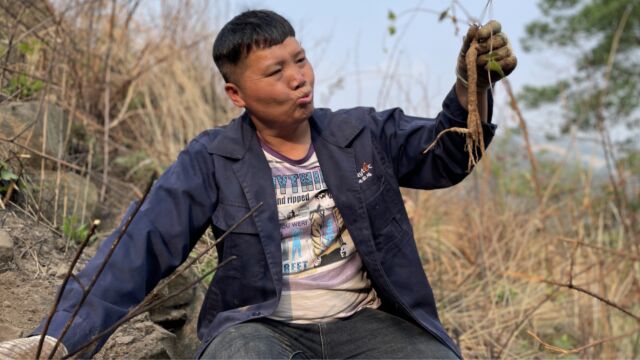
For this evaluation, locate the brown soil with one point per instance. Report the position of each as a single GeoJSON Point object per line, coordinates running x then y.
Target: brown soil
{"type": "Point", "coordinates": [29, 282]}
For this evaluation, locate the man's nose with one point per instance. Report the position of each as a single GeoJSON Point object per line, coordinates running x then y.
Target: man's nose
{"type": "Point", "coordinates": [298, 79]}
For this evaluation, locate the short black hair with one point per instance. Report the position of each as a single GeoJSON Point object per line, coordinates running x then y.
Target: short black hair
{"type": "Point", "coordinates": [251, 29]}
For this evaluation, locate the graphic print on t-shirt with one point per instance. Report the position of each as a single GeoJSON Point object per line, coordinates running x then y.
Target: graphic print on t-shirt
{"type": "Point", "coordinates": [323, 276]}
{"type": "Point", "coordinates": [311, 226]}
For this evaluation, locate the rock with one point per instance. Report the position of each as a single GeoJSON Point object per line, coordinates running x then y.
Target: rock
{"type": "Point", "coordinates": [22, 118]}
{"type": "Point", "coordinates": [61, 271]}
{"type": "Point", "coordinates": [141, 339]}
{"type": "Point", "coordinates": [8, 332]}
{"type": "Point", "coordinates": [75, 192]}
{"type": "Point", "coordinates": [180, 316]}
{"type": "Point", "coordinates": [6, 247]}
{"type": "Point", "coordinates": [123, 340]}
{"type": "Point", "coordinates": [170, 319]}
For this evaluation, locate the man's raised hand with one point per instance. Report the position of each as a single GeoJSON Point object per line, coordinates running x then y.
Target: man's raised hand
{"type": "Point", "coordinates": [495, 56]}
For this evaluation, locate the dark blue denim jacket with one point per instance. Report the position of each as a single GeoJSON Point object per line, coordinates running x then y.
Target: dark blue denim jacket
{"type": "Point", "coordinates": [223, 173]}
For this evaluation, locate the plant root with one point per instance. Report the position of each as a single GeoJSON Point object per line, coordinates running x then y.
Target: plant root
{"type": "Point", "coordinates": [474, 145]}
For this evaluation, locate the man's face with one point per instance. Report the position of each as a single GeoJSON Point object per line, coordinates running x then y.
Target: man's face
{"type": "Point", "coordinates": [275, 84]}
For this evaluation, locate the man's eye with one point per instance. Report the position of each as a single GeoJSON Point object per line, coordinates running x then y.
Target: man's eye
{"type": "Point", "coordinates": [301, 60]}
{"type": "Point", "coordinates": [274, 72]}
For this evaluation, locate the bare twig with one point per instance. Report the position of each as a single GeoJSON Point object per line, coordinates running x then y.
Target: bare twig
{"type": "Point", "coordinates": [142, 308]}
{"type": "Point", "coordinates": [611, 251]}
{"type": "Point", "coordinates": [56, 303]}
{"type": "Point", "coordinates": [581, 348]}
{"type": "Point", "coordinates": [114, 245]}
{"type": "Point", "coordinates": [41, 154]}
{"type": "Point", "coordinates": [10, 44]}
{"type": "Point", "coordinates": [193, 260]}
{"type": "Point", "coordinates": [611, 303]}
{"type": "Point", "coordinates": [605, 137]}
{"type": "Point", "coordinates": [151, 301]}
{"type": "Point", "coordinates": [107, 107]}
{"type": "Point", "coordinates": [523, 320]}
{"type": "Point", "coordinates": [525, 135]}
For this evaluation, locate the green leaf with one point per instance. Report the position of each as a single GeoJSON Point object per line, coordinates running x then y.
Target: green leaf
{"type": "Point", "coordinates": [391, 15]}
{"type": "Point", "coordinates": [493, 65]}
{"type": "Point", "coordinates": [7, 175]}
{"type": "Point", "coordinates": [24, 48]}
{"type": "Point", "coordinates": [392, 30]}
{"type": "Point", "coordinates": [37, 85]}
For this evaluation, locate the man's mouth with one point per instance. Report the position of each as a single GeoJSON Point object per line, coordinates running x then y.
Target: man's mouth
{"type": "Point", "coordinates": [305, 99]}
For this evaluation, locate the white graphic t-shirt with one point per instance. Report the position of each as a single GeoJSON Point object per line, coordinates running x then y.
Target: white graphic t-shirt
{"type": "Point", "coordinates": [323, 275]}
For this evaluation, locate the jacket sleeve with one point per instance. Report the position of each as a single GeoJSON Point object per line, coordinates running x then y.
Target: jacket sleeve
{"type": "Point", "coordinates": [403, 138]}
{"type": "Point", "coordinates": [174, 216]}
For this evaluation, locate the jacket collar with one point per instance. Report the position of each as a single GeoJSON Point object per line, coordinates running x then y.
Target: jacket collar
{"type": "Point", "coordinates": [335, 127]}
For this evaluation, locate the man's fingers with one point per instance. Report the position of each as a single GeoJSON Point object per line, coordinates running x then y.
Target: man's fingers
{"type": "Point", "coordinates": [496, 42]}
{"type": "Point", "coordinates": [493, 27]}
{"type": "Point", "coordinates": [471, 34]}
{"type": "Point", "coordinates": [496, 55]}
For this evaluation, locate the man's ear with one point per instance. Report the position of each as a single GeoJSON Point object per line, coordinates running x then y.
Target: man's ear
{"type": "Point", "coordinates": [234, 94]}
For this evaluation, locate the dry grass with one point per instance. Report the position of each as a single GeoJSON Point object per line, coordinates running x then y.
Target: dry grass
{"type": "Point", "coordinates": [501, 268]}
{"type": "Point", "coordinates": [137, 84]}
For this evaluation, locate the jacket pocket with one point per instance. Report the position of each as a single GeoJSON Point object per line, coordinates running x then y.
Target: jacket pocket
{"type": "Point", "coordinates": [379, 209]}
{"type": "Point", "coordinates": [243, 242]}
{"type": "Point", "coordinates": [383, 212]}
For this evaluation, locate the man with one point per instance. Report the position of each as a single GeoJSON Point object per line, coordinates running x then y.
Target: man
{"type": "Point", "coordinates": [328, 266]}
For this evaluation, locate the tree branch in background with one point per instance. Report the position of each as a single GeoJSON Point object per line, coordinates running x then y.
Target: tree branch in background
{"type": "Point", "coordinates": [605, 137]}
{"type": "Point", "coordinates": [525, 135]}
{"type": "Point", "coordinates": [584, 347]}
{"type": "Point", "coordinates": [107, 107]}
{"type": "Point", "coordinates": [536, 278]}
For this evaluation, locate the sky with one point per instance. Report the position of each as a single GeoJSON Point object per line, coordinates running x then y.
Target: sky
{"type": "Point", "coordinates": [358, 63]}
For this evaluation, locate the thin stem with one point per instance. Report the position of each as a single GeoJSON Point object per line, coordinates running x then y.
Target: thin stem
{"type": "Point", "coordinates": [52, 312]}
{"type": "Point", "coordinates": [85, 294]}
{"type": "Point", "coordinates": [192, 261]}
{"type": "Point", "coordinates": [525, 135]}
{"type": "Point", "coordinates": [142, 308]}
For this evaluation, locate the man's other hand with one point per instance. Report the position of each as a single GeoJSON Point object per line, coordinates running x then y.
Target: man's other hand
{"type": "Point", "coordinates": [26, 348]}
{"type": "Point", "coordinates": [495, 56]}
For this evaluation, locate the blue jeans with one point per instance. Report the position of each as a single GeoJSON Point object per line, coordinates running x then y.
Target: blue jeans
{"type": "Point", "coordinates": [371, 334]}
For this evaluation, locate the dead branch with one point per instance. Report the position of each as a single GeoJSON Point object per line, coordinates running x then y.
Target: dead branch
{"type": "Point", "coordinates": [581, 348]}
{"type": "Point", "coordinates": [600, 248]}
{"type": "Point", "coordinates": [537, 278]}
{"type": "Point", "coordinates": [153, 298]}
{"type": "Point", "coordinates": [192, 261]}
{"type": "Point", "coordinates": [605, 137]}
{"type": "Point", "coordinates": [114, 245]}
{"type": "Point", "coordinates": [107, 107]}
{"type": "Point", "coordinates": [56, 303]}
{"type": "Point", "coordinates": [525, 135]}
{"type": "Point", "coordinates": [522, 321]}
{"type": "Point", "coordinates": [68, 165]}
{"type": "Point", "coordinates": [140, 310]}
